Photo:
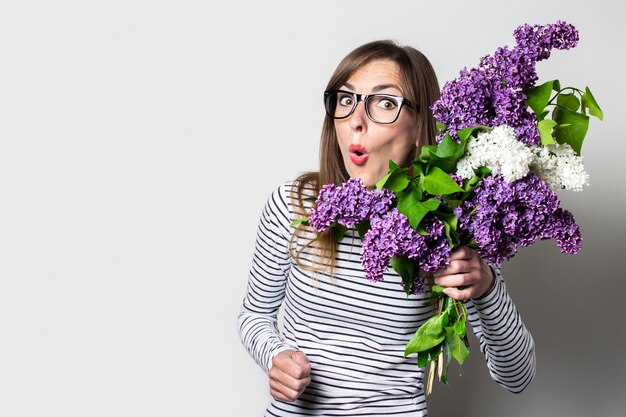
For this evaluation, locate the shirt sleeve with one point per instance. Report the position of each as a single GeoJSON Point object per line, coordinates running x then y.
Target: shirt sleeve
{"type": "Point", "coordinates": [257, 322]}
{"type": "Point", "coordinates": [504, 340]}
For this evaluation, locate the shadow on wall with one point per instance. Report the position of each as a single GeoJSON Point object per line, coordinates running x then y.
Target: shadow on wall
{"type": "Point", "coordinates": [572, 306]}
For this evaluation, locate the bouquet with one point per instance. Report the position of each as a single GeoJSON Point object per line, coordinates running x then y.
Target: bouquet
{"type": "Point", "coordinates": [504, 146]}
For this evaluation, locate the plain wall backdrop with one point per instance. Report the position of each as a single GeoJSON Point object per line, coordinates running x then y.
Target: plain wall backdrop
{"type": "Point", "coordinates": [139, 141]}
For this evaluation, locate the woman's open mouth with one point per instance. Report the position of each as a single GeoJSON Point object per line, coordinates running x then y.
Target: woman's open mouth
{"type": "Point", "coordinates": [358, 154]}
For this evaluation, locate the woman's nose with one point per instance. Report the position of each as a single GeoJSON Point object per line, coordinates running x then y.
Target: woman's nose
{"type": "Point", "coordinates": [358, 119]}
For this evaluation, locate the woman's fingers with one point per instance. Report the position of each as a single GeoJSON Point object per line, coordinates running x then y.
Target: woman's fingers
{"type": "Point", "coordinates": [289, 375]}
{"type": "Point", "coordinates": [290, 390]}
{"type": "Point", "coordinates": [297, 384]}
{"type": "Point", "coordinates": [455, 280]}
{"type": "Point", "coordinates": [462, 252]}
{"type": "Point", "coordinates": [463, 295]}
{"type": "Point", "coordinates": [466, 275]}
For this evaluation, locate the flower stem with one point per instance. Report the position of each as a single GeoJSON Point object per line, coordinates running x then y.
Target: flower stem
{"type": "Point", "coordinates": [431, 376]}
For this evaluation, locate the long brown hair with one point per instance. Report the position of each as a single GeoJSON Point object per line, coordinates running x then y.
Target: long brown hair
{"type": "Point", "coordinates": [420, 86]}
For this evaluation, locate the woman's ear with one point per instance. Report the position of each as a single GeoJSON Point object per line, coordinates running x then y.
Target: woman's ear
{"type": "Point", "coordinates": [416, 151]}
{"type": "Point", "coordinates": [418, 135]}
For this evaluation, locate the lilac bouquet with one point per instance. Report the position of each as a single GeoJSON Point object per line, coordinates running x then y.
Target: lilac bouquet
{"type": "Point", "coordinates": [504, 146]}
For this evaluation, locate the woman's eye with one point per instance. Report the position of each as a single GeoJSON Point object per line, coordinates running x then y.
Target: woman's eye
{"type": "Point", "coordinates": [346, 101]}
{"type": "Point", "coordinates": [386, 104]}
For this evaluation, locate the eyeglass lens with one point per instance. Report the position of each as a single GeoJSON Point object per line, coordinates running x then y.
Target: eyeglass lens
{"type": "Point", "coordinates": [381, 108]}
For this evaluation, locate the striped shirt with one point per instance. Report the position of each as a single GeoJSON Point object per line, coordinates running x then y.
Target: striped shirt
{"type": "Point", "coordinates": [354, 331]}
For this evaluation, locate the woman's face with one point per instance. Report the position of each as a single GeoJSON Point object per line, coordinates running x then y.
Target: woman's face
{"type": "Point", "coordinates": [366, 146]}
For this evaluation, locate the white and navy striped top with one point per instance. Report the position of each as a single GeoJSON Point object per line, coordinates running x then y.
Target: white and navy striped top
{"type": "Point", "coordinates": [354, 331]}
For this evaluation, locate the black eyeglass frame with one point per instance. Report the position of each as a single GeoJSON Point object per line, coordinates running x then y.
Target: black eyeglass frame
{"type": "Point", "coordinates": [400, 101]}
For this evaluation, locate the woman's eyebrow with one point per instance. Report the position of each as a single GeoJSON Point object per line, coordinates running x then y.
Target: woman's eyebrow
{"type": "Point", "coordinates": [382, 87]}
{"type": "Point", "coordinates": [376, 88]}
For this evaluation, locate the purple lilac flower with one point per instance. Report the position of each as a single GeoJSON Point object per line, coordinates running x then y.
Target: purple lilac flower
{"type": "Point", "coordinates": [491, 94]}
{"type": "Point", "coordinates": [379, 202]}
{"type": "Point", "coordinates": [457, 178]}
{"type": "Point", "coordinates": [462, 214]}
{"type": "Point", "coordinates": [390, 235]}
{"type": "Point", "coordinates": [565, 231]}
{"type": "Point", "coordinates": [348, 204]}
{"type": "Point", "coordinates": [515, 214]}
{"type": "Point", "coordinates": [438, 249]}
{"type": "Point", "coordinates": [326, 212]}
{"type": "Point", "coordinates": [419, 282]}
{"type": "Point", "coordinates": [538, 40]}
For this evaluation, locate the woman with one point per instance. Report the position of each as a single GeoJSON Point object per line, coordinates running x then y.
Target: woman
{"type": "Point", "coordinates": [341, 349]}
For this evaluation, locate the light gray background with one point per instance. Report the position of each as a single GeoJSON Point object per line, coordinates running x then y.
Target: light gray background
{"type": "Point", "coordinates": [139, 141]}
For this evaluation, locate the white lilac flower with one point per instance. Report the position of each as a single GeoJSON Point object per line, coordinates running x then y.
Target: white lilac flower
{"type": "Point", "coordinates": [500, 151]}
{"type": "Point", "coordinates": [560, 167]}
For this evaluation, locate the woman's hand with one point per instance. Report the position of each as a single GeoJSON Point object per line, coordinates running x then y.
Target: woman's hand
{"type": "Point", "coordinates": [289, 375]}
{"type": "Point", "coordinates": [468, 272]}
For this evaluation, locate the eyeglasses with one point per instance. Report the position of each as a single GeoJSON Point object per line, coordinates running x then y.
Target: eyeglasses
{"type": "Point", "coordinates": [380, 108]}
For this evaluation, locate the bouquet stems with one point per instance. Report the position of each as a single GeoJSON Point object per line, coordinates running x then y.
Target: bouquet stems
{"type": "Point", "coordinates": [441, 338]}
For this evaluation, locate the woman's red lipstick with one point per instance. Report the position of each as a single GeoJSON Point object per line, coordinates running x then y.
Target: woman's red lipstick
{"type": "Point", "coordinates": [358, 154]}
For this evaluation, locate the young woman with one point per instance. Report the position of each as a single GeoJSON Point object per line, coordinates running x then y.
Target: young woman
{"type": "Point", "coordinates": [341, 349]}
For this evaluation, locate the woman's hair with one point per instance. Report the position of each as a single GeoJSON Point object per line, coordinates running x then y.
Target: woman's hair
{"type": "Point", "coordinates": [419, 85]}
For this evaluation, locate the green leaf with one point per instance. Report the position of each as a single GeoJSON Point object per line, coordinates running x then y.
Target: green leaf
{"type": "Point", "coordinates": [464, 134]}
{"type": "Point", "coordinates": [405, 267]}
{"type": "Point", "coordinates": [429, 335]}
{"type": "Point", "coordinates": [447, 164]}
{"type": "Point", "coordinates": [447, 147]}
{"type": "Point", "coordinates": [446, 353]}
{"type": "Point", "coordinates": [458, 350]}
{"type": "Point", "coordinates": [427, 151]}
{"type": "Point", "coordinates": [482, 172]}
{"type": "Point", "coordinates": [452, 314]}
{"type": "Point", "coordinates": [589, 102]}
{"type": "Point", "coordinates": [381, 183]}
{"type": "Point", "coordinates": [569, 101]}
{"type": "Point", "coordinates": [450, 223]}
{"type": "Point", "coordinates": [415, 210]}
{"type": "Point", "coordinates": [419, 168]}
{"type": "Point", "coordinates": [304, 221]}
{"type": "Point", "coordinates": [424, 358]}
{"type": "Point", "coordinates": [362, 228]}
{"type": "Point", "coordinates": [575, 132]}
{"type": "Point", "coordinates": [449, 218]}
{"type": "Point", "coordinates": [479, 174]}
{"type": "Point", "coordinates": [543, 115]}
{"type": "Point", "coordinates": [438, 289]}
{"type": "Point", "coordinates": [437, 182]}
{"type": "Point", "coordinates": [545, 131]}
{"type": "Point", "coordinates": [459, 328]}
{"type": "Point", "coordinates": [452, 202]}
{"type": "Point", "coordinates": [311, 198]}
{"type": "Point", "coordinates": [408, 199]}
{"type": "Point", "coordinates": [416, 213]}
{"type": "Point", "coordinates": [340, 230]}
{"type": "Point", "coordinates": [397, 180]}
{"type": "Point", "coordinates": [436, 293]}
{"type": "Point", "coordinates": [538, 97]}
{"type": "Point", "coordinates": [556, 86]}
{"type": "Point", "coordinates": [446, 154]}
{"type": "Point", "coordinates": [440, 128]}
